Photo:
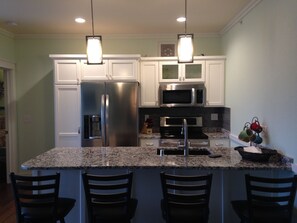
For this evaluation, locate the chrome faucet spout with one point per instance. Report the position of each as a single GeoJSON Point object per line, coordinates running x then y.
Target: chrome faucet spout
{"type": "Point", "coordinates": [185, 132]}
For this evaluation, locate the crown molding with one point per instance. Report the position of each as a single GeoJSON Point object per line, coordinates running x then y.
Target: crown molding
{"type": "Point", "coordinates": [110, 36]}
{"type": "Point", "coordinates": [240, 16]}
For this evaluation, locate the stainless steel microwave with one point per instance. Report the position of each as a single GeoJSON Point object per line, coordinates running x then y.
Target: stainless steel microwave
{"type": "Point", "coordinates": [181, 95]}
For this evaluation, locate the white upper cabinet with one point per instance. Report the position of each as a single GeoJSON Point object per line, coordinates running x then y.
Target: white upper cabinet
{"type": "Point", "coordinates": [71, 69]}
{"type": "Point", "coordinates": [123, 69]}
{"type": "Point", "coordinates": [94, 71]}
{"type": "Point", "coordinates": [172, 71]}
{"type": "Point", "coordinates": [215, 83]}
{"type": "Point", "coordinates": [111, 69]}
{"type": "Point", "coordinates": [149, 83]}
{"type": "Point", "coordinates": [67, 71]}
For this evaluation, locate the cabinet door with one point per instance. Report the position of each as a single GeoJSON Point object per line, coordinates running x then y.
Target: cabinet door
{"type": "Point", "coordinates": [94, 71]}
{"type": "Point", "coordinates": [149, 84]}
{"type": "Point", "coordinates": [219, 143]}
{"type": "Point", "coordinates": [123, 69]}
{"type": "Point", "coordinates": [194, 71]}
{"type": "Point", "coordinates": [215, 83]}
{"type": "Point", "coordinates": [67, 71]}
{"type": "Point", "coordinates": [169, 71]}
{"type": "Point", "coordinates": [149, 142]}
{"type": "Point", "coordinates": [67, 116]}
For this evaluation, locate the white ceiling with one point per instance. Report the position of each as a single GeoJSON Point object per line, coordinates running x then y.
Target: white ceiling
{"type": "Point", "coordinates": [43, 17]}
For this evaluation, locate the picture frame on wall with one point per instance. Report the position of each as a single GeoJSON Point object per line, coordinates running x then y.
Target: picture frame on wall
{"type": "Point", "coordinates": [167, 49]}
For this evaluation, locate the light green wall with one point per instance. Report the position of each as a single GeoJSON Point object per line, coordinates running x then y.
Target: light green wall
{"type": "Point", "coordinates": [261, 72]}
{"type": "Point", "coordinates": [6, 46]}
{"type": "Point", "coordinates": [34, 80]}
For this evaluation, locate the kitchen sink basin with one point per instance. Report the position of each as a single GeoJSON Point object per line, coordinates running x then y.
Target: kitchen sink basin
{"type": "Point", "coordinates": [179, 151]}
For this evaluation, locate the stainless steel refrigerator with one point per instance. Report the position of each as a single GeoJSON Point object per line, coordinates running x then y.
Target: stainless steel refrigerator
{"type": "Point", "coordinates": [109, 113]}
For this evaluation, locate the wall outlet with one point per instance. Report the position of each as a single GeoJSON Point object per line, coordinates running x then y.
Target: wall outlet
{"type": "Point", "coordinates": [214, 117]}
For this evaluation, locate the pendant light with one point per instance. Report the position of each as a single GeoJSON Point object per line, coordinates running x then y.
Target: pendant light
{"type": "Point", "coordinates": [185, 47]}
{"type": "Point", "coordinates": [94, 45]}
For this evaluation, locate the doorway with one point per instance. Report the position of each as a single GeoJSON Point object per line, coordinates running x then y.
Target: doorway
{"type": "Point", "coordinates": [3, 169]}
{"type": "Point", "coordinates": [8, 124]}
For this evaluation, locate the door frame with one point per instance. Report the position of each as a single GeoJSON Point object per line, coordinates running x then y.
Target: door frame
{"type": "Point", "coordinates": [10, 116]}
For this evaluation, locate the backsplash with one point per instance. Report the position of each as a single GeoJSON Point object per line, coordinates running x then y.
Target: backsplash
{"type": "Point", "coordinates": [221, 113]}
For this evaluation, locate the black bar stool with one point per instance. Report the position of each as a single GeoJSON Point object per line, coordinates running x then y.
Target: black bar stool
{"type": "Point", "coordinates": [268, 200]}
{"type": "Point", "coordinates": [185, 198]}
{"type": "Point", "coordinates": [37, 199]}
{"type": "Point", "coordinates": [109, 198]}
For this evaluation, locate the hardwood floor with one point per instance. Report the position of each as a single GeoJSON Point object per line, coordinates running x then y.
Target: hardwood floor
{"type": "Point", "coordinates": [7, 207]}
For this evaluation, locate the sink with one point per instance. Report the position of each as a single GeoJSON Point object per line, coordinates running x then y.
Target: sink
{"type": "Point", "coordinates": [178, 151]}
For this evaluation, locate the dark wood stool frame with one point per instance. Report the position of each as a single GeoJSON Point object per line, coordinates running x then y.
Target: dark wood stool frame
{"type": "Point", "coordinates": [109, 197]}
{"type": "Point", "coordinates": [185, 198]}
{"type": "Point", "coordinates": [37, 199]}
{"type": "Point", "coordinates": [268, 200]}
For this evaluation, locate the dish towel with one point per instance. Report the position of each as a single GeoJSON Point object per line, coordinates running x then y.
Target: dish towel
{"type": "Point", "coordinates": [252, 149]}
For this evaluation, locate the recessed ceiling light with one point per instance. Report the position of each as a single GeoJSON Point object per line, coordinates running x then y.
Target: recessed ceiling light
{"type": "Point", "coordinates": [181, 19]}
{"type": "Point", "coordinates": [80, 20]}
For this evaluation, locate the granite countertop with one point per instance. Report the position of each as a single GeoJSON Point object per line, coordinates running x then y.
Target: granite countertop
{"type": "Point", "coordinates": [140, 157]}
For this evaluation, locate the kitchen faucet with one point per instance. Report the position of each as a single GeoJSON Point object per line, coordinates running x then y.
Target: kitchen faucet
{"type": "Point", "coordinates": [184, 131]}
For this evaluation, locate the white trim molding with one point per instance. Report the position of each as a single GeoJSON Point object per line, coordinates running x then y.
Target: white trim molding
{"type": "Point", "coordinates": [11, 116]}
{"type": "Point", "coordinates": [240, 16]}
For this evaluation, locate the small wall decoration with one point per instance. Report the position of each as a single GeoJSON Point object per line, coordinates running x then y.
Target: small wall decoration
{"type": "Point", "coordinates": [167, 49]}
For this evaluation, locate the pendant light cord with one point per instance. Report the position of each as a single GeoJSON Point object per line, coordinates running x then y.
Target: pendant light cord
{"type": "Point", "coordinates": [186, 16]}
{"type": "Point", "coordinates": [92, 15]}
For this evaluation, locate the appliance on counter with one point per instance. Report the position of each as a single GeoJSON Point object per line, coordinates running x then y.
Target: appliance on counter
{"type": "Point", "coordinates": [109, 114]}
{"type": "Point", "coordinates": [171, 131]}
{"type": "Point", "coordinates": [181, 95]}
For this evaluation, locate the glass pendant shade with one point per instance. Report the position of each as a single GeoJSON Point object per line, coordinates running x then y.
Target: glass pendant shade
{"type": "Point", "coordinates": [94, 50]}
{"type": "Point", "coordinates": [185, 48]}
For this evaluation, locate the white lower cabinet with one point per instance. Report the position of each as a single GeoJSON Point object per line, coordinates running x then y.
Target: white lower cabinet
{"type": "Point", "coordinates": [149, 84]}
{"type": "Point", "coordinates": [215, 83]}
{"type": "Point", "coordinates": [67, 116]}
{"type": "Point", "coordinates": [149, 142]}
{"type": "Point", "coordinates": [219, 143]}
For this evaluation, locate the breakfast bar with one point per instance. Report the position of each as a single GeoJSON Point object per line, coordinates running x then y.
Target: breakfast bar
{"type": "Point", "coordinates": [228, 171]}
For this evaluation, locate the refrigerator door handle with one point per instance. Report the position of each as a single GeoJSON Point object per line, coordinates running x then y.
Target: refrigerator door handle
{"type": "Point", "coordinates": [107, 119]}
{"type": "Point", "coordinates": [103, 130]}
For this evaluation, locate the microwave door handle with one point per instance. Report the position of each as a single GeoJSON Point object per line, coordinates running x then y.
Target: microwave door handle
{"type": "Point", "coordinates": [102, 110]}
{"type": "Point", "coordinates": [194, 99]}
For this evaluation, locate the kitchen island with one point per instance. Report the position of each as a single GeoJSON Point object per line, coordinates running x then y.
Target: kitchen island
{"type": "Point", "coordinates": [228, 175]}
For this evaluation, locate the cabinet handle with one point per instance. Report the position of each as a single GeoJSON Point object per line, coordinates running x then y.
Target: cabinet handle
{"type": "Point", "coordinates": [78, 130]}
{"type": "Point", "coordinates": [149, 144]}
